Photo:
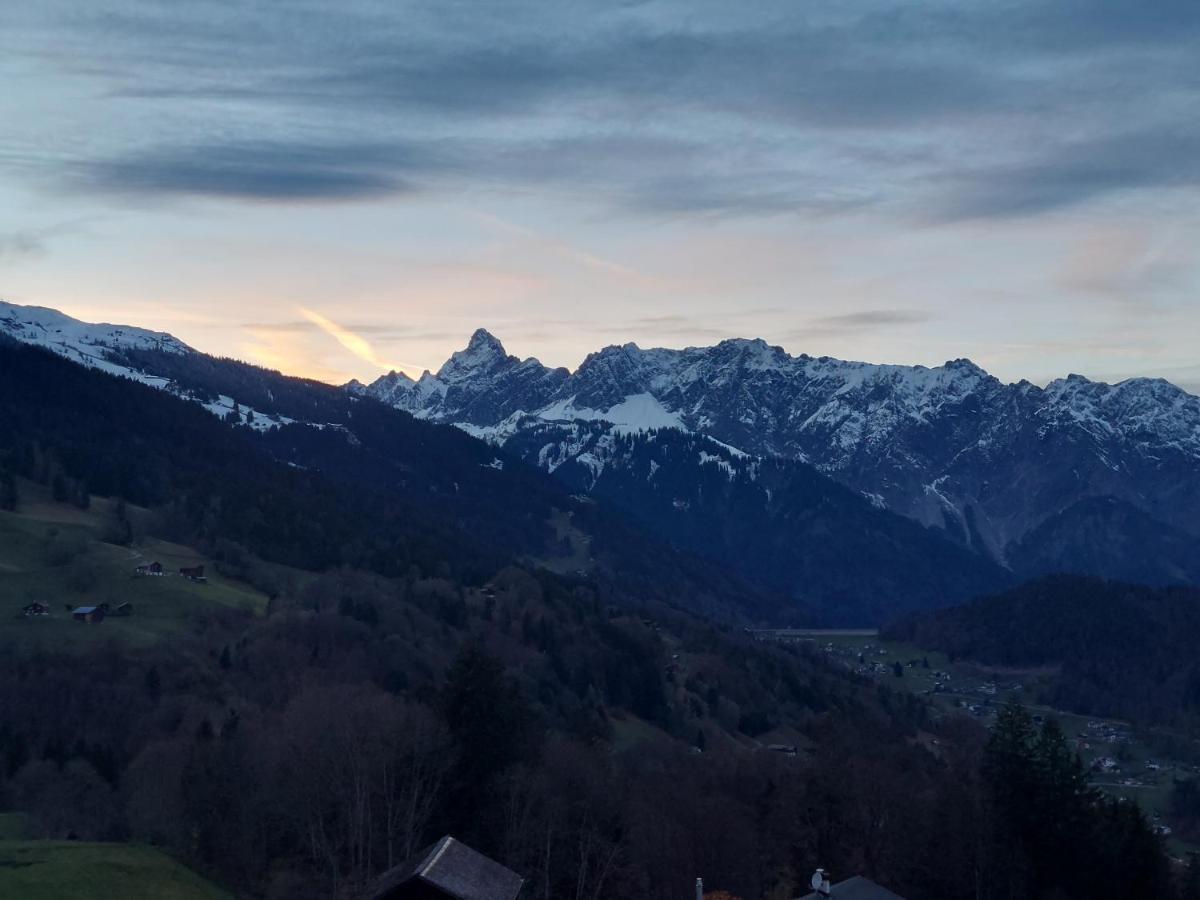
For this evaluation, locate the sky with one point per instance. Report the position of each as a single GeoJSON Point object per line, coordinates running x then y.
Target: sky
{"type": "Point", "coordinates": [339, 189]}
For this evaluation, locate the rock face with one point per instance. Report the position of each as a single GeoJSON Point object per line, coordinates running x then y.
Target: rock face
{"type": "Point", "coordinates": [951, 447]}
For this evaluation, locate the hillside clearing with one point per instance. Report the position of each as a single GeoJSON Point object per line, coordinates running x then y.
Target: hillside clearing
{"type": "Point", "coordinates": [73, 870]}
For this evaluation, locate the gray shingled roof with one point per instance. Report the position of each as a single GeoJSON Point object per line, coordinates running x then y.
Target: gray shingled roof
{"type": "Point", "coordinates": [452, 868]}
{"type": "Point", "coordinates": [856, 888]}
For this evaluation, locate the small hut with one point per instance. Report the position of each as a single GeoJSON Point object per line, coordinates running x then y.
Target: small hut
{"type": "Point", "coordinates": [93, 615]}
{"type": "Point", "coordinates": [447, 870]}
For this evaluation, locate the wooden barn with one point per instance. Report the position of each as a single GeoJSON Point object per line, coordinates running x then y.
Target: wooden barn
{"type": "Point", "coordinates": [93, 615]}
{"type": "Point", "coordinates": [447, 870]}
{"type": "Point", "coordinates": [193, 573]}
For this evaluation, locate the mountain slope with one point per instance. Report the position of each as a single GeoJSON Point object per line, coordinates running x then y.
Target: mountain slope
{"type": "Point", "coordinates": [1109, 648]}
{"type": "Point", "coordinates": [951, 447]}
{"type": "Point", "coordinates": [1110, 538]}
{"type": "Point", "coordinates": [776, 520]}
{"type": "Point", "coordinates": [153, 358]}
{"type": "Point", "coordinates": [838, 558]}
{"type": "Point", "coordinates": [378, 490]}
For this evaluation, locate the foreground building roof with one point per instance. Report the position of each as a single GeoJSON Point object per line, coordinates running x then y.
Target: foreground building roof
{"type": "Point", "coordinates": [447, 869]}
{"type": "Point", "coordinates": [856, 888]}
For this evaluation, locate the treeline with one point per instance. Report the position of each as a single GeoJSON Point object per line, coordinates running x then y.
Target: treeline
{"type": "Point", "coordinates": [1111, 648]}
{"type": "Point", "coordinates": [209, 377]}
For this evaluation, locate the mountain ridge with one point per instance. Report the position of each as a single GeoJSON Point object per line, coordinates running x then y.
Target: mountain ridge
{"type": "Point", "coordinates": [987, 465]}
{"type": "Point", "coordinates": [925, 442]}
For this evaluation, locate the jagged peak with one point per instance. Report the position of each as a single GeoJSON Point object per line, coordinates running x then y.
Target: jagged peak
{"type": "Point", "coordinates": [483, 353]}
{"type": "Point", "coordinates": [743, 342]}
{"type": "Point", "coordinates": [481, 337]}
{"type": "Point", "coordinates": [964, 364]}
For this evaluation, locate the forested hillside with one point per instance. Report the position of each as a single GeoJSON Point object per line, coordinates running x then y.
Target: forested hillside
{"type": "Point", "coordinates": [405, 493]}
{"type": "Point", "coordinates": [1108, 647]}
{"type": "Point", "coordinates": [413, 673]}
{"type": "Point", "coordinates": [777, 520]}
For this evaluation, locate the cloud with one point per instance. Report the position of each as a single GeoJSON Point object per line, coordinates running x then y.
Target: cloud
{"type": "Point", "coordinates": [21, 244]}
{"type": "Point", "coordinates": [680, 108]}
{"type": "Point", "coordinates": [259, 170]}
{"type": "Point", "coordinates": [300, 326]}
{"type": "Point", "coordinates": [1075, 172]}
{"type": "Point", "coordinates": [355, 343]}
{"type": "Point", "coordinates": [561, 248]}
{"type": "Point", "coordinates": [866, 320]}
{"type": "Point", "coordinates": [673, 326]}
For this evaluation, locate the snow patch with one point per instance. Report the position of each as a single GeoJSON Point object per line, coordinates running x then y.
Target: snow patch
{"type": "Point", "coordinates": [637, 412]}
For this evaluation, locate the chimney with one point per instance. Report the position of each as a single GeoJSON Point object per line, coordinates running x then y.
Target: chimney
{"type": "Point", "coordinates": [699, 889]}
{"type": "Point", "coordinates": [820, 883]}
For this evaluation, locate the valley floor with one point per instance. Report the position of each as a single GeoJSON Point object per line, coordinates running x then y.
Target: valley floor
{"type": "Point", "coordinates": [1120, 762]}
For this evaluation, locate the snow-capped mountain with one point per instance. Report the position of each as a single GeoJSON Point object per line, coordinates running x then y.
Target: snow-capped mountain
{"type": "Point", "coordinates": [80, 342]}
{"type": "Point", "coordinates": [117, 349]}
{"type": "Point", "coordinates": [950, 446]}
{"type": "Point", "coordinates": [775, 520]}
{"type": "Point", "coordinates": [1015, 472]}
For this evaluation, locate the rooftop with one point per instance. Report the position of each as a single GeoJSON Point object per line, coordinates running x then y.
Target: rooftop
{"type": "Point", "coordinates": [451, 868]}
{"type": "Point", "coordinates": [856, 888]}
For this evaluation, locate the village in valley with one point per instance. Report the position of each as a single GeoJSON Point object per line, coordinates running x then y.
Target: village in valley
{"type": "Point", "coordinates": [1120, 759]}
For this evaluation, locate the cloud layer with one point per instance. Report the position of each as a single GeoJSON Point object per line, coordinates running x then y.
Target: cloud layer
{"type": "Point", "coordinates": [937, 108]}
{"type": "Point", "coordinates": [897, 180]}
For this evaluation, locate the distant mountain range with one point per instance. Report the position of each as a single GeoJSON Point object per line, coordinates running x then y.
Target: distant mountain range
{"type": "Point", "coordinates": [858, 490]}
{"type": "Point", "coordinates": [951, 447]}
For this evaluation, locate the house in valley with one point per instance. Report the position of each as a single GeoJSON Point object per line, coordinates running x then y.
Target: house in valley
{"type": "Point", "coordinates": [447, 870]}
{"type": "Point", "coordinates": [151, 568]}
{"type": "Point", "coordinates": [35, 609]}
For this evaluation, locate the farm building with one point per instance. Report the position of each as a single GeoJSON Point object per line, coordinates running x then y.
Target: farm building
{"type": "Point", "coordinates": [193, 573]}
{"type": "Point", "coordinates": [35, 609]}
{"type": "Point", "coordinates": [153, 568]}
{"type": "Point", "coordinates": [93, 615]}
{"type": "Point", "coordinates": [447, 870]}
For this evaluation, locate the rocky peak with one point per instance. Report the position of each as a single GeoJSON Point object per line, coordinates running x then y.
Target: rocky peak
{"type": "Point", "coordinates": [483, 355]}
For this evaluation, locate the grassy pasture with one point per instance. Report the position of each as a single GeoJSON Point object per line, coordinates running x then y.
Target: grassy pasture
{"type": "Point", "coordinates": [57, 555]}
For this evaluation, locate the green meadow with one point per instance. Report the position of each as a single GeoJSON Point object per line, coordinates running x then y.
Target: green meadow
{"type": "Point", "coordinates": [60, 556]}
